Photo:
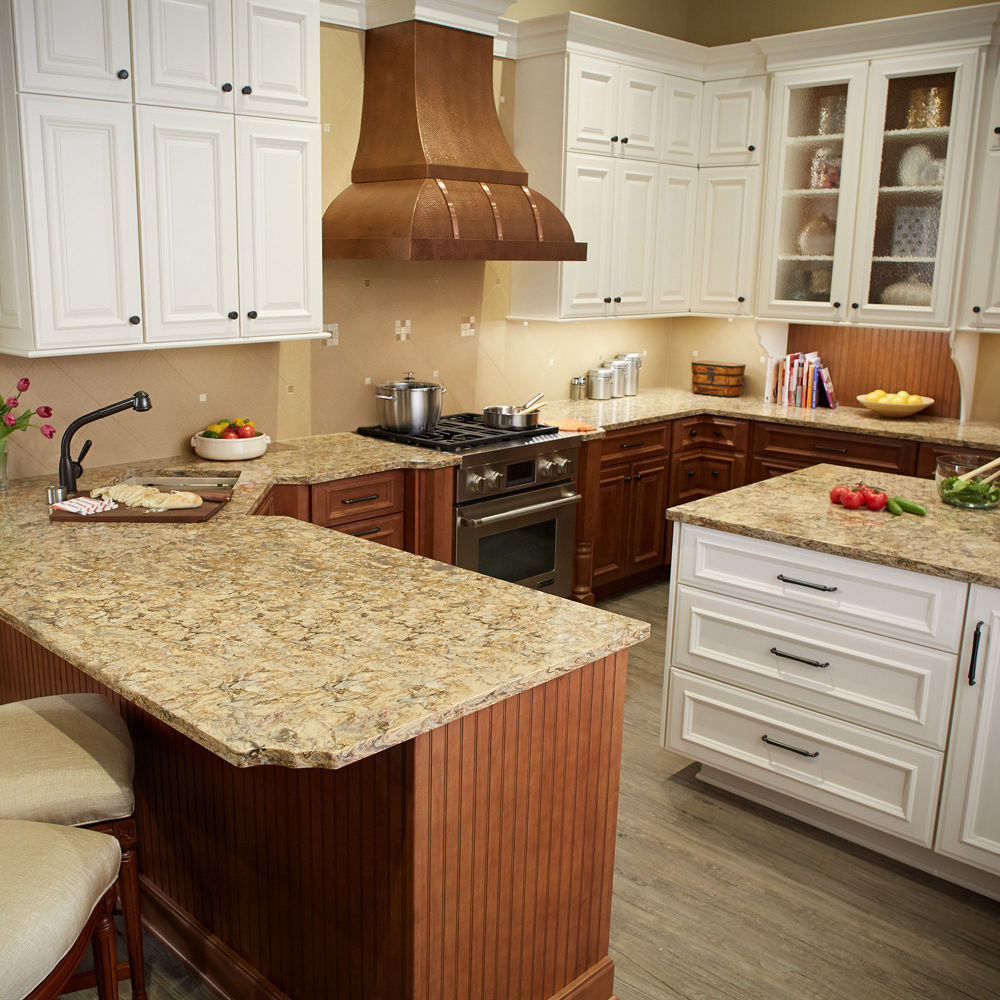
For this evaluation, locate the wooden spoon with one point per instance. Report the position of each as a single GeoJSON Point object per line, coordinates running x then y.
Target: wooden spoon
{"type": "Point", "coordinates": [534, 406]}
{"type": "Point", "coordinates": [966, 476]}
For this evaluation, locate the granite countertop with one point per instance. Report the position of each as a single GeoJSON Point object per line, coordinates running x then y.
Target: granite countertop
{"type": "Point", "coordinates": [795, 509]}
{"type": "Point", "coordinates": [271, 641]}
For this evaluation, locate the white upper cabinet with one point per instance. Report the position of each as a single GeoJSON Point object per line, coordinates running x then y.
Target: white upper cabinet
{"type": "Point", "coordinates": [83, 227]}
{"type": "Point", "coordinates": [77, 48]}
{"type": "Point", "coordinates": [641, 114]}
{"type": "Point", "coordinates": [675, 215]}
{"type": "Point", "coordinates": [589, 202]}
{"type": "Point", "coordinates": [634, 241]}
{"type": "Point", "coordinates": [733, 121]}
{"type": "Point", "coordinates": [277, 58]}
{"type": "Point", "coordinates": [681, 120]}
{"type": "Point", "coordinates": [184, 53]}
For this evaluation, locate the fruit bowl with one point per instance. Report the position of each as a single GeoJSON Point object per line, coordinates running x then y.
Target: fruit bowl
{"type": "Point", "coordinates": [974, 494]}
{"type": "Point", "coordinates": [229, 449]}
{"type": "Point", "coordinates": [896, 409]}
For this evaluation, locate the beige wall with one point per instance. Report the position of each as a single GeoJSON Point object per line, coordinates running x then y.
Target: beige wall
{"type": "Point", "coordinates": [665, 17]}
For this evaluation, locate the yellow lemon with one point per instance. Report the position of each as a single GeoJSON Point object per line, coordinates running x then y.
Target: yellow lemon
{"type": "Point", "coordinates": [876, 394]}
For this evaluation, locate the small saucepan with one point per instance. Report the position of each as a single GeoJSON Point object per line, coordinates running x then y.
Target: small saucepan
{"type": "Point", "coordinates": [514, 418]}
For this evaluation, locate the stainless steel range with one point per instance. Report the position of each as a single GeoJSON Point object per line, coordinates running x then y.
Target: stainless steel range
{"type": "Point", "coordinates": [515, 498]}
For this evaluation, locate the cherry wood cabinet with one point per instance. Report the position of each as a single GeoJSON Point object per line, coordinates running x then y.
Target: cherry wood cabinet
{"type": "Point", "coordinates": [708, 456]}
{"type": "Point", "coordinates": [927, 456]}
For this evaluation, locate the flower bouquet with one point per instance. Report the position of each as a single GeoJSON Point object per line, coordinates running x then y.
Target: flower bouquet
{"type": "Point", "coordinates": [11, 420]}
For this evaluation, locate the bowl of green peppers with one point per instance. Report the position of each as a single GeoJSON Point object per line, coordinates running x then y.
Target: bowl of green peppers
{"type": "Point", "coordinates": [976, 493]}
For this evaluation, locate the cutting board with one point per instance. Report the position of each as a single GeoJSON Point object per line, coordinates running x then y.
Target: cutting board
{"type": "Point", "coordinates": [214, 501]}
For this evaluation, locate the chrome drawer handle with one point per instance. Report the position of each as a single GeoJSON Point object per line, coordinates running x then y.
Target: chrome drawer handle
{"type": "Point", "coordinates": [798, 659]}
{"type": "Point", "coordinates": [805, 583]}
{"type": "Point", "coordinates": [784, 746]}
{"type": "Point", "coordinates": [975, 653]}
{"type": "Point", "coordinates": [372, 496]}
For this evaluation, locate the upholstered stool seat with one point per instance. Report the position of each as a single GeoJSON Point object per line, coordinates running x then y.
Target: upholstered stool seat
{"type": "Point", "coordinates": [52, 879]}
{"type": "Point", "coordinates": [68, 759]}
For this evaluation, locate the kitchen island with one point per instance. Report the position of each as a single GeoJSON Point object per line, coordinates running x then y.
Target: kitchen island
{"type": "Point", "coordinates": [360, 772]}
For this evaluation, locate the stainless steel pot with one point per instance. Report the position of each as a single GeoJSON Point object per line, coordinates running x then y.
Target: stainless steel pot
{"type": "Point", "coordinates": [510, 417]}
{"type": "Point", "coordinates": [408, 406]}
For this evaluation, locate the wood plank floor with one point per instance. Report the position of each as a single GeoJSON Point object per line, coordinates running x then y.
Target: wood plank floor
{"type": "Point", "coordinates": [719, 899]}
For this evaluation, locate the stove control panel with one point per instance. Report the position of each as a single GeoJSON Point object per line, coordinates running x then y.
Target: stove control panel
{"type": "Point", "coordinates": [483, 481]}
{"type": "Point", "coordinates": [517, 467]}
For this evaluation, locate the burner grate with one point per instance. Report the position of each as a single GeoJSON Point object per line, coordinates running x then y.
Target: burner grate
{"type": "Point", "coordinates": [459, 432]}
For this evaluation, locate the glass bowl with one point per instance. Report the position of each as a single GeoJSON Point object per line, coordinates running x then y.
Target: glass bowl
{"type": "Point", "coordinates": [974, 494]}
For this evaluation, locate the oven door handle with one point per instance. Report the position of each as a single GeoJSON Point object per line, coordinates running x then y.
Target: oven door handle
{"type": "Point", "coordinates": [510, 515]}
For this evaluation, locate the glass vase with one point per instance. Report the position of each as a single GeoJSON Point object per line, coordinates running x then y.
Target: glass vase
{"type": "Point", "coordinates": [3, 464]}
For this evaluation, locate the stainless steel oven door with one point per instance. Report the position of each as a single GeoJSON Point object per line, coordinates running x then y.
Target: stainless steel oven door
{"type": "Point", "coordinates": [525, 538]}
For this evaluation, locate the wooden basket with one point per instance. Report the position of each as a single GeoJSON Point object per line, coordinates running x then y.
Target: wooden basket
{"type": "Point", "coordinates": [711, 378]}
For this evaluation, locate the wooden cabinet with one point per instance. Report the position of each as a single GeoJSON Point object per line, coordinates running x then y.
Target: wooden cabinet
{"type": "Point", "coordinates": [732, 130]}
{"type": "Point", "coordinates": [928, 454]}
{"type": "Point", "coordinates": [708, 456]}
{"type": "Point", "coordinates": [778, 449]}
{"type": "Point", "coordinates": [365, 506]}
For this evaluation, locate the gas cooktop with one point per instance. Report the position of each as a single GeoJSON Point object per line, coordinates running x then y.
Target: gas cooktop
{"type": "Point", "coordinates": [459, 432]}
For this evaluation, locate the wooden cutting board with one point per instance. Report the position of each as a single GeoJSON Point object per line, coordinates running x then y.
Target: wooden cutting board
{"type": "Point", "coordinates": [137, 515]}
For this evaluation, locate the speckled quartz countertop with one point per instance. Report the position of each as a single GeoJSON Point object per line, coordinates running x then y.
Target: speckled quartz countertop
{"type": "Point", "coordinates": [272, 641]}
{"type": "Point", "coordinates": [795, 509]}
{"type": "Point", "coordinates": [652, 405]}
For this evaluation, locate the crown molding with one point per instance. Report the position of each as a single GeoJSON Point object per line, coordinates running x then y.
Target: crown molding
{"type": "Point", "coordinates": [479, 16]}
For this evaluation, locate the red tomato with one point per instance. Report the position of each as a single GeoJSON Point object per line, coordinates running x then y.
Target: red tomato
{"type": "Point", "coordinates": [876, 500]}
{"type": "Point", "coordinates": [865, 490]}
{"type": "Point", "coordinates": [853, 499]}
{"type": "Point", "coordinates": [837, 494]}
{"type": "Point", "coordinates": [229, 434]}
{"type": "Point", "coordinates": [246, 431]}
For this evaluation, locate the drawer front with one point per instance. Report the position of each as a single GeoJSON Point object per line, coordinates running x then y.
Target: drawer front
{"type": "Point", "coordinates": [388, 530]}
{"type": "Point", "coordinates": [353, 499]}
{"type": "Point", "coordinates": [927, 457]}
{"type": "Point", "coordinates": [702, 473]}
{"type": "Point", "coordinates": [896, 687]}
{"type": "Point", "coordinates": [710, 432]}
{"type": "Point", "coordinates": [636, 442]}
{"type": "Point", "coordinates": [878, 780]}
{"type": "Point", "coordinates": [800, 447]}
{"type": "Point", "coordinates": [892, 602]}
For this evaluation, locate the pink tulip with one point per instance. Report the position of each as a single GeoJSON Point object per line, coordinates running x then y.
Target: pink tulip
{"type": "Point", "coordinates": [9, 419]}
{"type": "Point", "coordinates": [12, 401]}
{"type": "Point", "coordinates": [44, 412]}
{"type": "Point", "coordinates": [22, 384]}
{"type": "Point", "coordinates": [48, 430]}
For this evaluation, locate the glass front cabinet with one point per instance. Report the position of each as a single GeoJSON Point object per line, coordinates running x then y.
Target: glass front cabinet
{"type": "Point", "coordinates": [866, 182]}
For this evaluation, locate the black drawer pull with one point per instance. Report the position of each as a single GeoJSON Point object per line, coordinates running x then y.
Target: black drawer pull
{"type": "Point", "coordinates": [372, 496]}
{"type": "Point", "coordinates": [715, 472]}
{"type": "Point", "coordinates": [975, 653]}
{"type": "Point", "coordinates": [635, 444]}
{"type": "Point", "coordinates": [798, 659]}
{"type": "Point", "coordinates": [718, 432]}
{"type": "Point", "coordinates": [694, 432]}
{"type": "Point", "coordinates": [690, 472]}
{"type": "Point", "coordinates": [367, 531]}
{"type": "Point", "coordinates": [827, 447]}
{"type": "Point", "coordinates": [784, 746]}
{"type": "Point", "coordinates": [804, 583]}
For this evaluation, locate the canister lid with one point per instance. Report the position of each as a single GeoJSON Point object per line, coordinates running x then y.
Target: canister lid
{"type": "Point", "coordinates": [601, 373]}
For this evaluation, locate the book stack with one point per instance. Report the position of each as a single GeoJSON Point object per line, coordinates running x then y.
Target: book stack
{"type": "Point", "coordinates": [799, 380]}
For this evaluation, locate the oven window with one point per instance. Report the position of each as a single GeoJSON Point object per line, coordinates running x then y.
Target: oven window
{"type": "Point", "coordinates": [519, 554]}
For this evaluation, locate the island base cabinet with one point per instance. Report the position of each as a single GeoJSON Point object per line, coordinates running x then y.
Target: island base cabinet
{"type": "Point", "coordinates": [472, 860]}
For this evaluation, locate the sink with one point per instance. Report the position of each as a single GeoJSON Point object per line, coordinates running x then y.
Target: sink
{"type": "Point", "coordinates": [192, 483]}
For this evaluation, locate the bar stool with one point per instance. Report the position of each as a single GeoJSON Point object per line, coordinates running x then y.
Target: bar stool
{"type": "Point", "coordinates": [68, 759]}
{"type": "Point", "coordinates": [58, 890]}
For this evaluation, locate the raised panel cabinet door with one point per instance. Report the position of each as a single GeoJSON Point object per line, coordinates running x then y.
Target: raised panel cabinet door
{"type": "Point", "coordinates": [276, 58]}
{"type": "Point", "coordinates": [279, 209]}
{"type": "Point", "coordinates": [733, 121]}
{"type": "Point", "coordinates": [83, 226]}
{"type": "Point", "coordinates": [675, 218]}
{"type": "Point", "coordinates": [969, 824]}
{"type": "Point", "coordinates": [725, 240]}
{"type": "Point", "coordinates": [981, 299]}
{"type": "Point", "coordinates": [649, 523]}
{"type": "Point", "coordinates": [634, 239]}
{"type": "Point", "coordinates": [184, 53]}
{"type": "Point", "coordinates": [77, 48]}
{"type": "Point", "coordinates": [593, 106]}
{"type": "Point", "coordinates": [641, 114]}
{"type": "Point", "coordinates": [187, 193]}
{"type": "Point", "coordinates": [611, 547]}
{"type": "Point", "coordinates": [586, 284]}
{"type": "Point", "coordinates": [681, 120]}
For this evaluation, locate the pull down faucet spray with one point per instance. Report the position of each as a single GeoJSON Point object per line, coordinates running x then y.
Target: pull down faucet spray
{"type": "Point", "coordinates": [68, 469]}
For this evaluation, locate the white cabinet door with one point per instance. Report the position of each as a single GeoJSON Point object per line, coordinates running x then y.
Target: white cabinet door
{"type": "Point", "coordinates": [675, 215]}
{"type": "Point", "coordinates": [725, 243]}
{"type": "Point", "coordinates": [969, 824]}
{"type": "Point", "coordinates": [641, 115]}
{"type": "Point", "coordinates": [634, 239]}
{"type": "Point", "coordinates": [733, 121]}
{"type": "Point", "coordinates": [681, 120]}
{"type": "Point", "coordinates": [277, 58]}
{"type": "Point", "coordinates": [592, 105]}
{"type": "Point", "coordinates": [981, 303]}
{"type": "Point", "coordinates": [184, 53]}
{"type": "Point", "coordinates": [279, 201]}
{"type": "Point", "coordinates": [82, 222]}
{"type": "Point", "coordinates": [589, 203]}
{"type": "Point", "coordinates": [187, 194]}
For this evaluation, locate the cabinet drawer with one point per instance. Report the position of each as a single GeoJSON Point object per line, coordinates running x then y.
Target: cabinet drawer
{"type": "Point", "coordinates": [635, 442]}
{"type": "Point", "coordinates": [710, 432]}
{"type": "Point", "coordinates": [702, 473]}
{"type": "Point", "coordinates": [878, 780]}
{"type": "Point", "coordinates": [927, 457]}
{"type": "Point", "coordinates": [388, 530]}
{"type": "Point", "coordinates": [800, 447]}
{"type": "Point", "coordinates": [352, 499]}
{"type": "Point", "coordinates": [896, 687]}
{"type": "Point", "coordinates": [893, 602]}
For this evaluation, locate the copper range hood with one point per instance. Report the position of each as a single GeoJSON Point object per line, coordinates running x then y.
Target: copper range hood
{"type": "Point", "coordinates": [434, 178]}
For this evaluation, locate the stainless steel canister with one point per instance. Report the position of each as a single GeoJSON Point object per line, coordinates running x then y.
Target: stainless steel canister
{"type": "Point", "coordinates": [599, 383]}
{"type": "Point", "coordinates": [577, 386]}
{"type": "Point", "coordinates": [620, 370]}
{"type": "Point", "coordinates": [634, 360]}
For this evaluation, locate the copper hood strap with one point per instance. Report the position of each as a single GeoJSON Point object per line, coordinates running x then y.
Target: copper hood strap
{"type": "Point", "coordinates": [493, 205]}
{"type": "Point", "coordinates": [451, 207]}
{"type": "Point", "coordinates": [535, 212]}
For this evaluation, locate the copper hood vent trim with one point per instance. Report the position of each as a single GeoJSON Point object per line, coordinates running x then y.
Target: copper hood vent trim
{"type": "Point", "coordinates": [434, 178]}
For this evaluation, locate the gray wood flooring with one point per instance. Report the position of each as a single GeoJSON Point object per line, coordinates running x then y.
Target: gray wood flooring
{"type": "Point", "coordinates": [719, 899]}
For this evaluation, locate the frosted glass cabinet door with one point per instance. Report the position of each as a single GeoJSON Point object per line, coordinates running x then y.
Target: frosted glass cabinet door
{"type": "Point", "coordinates": [83, 226]}
{"type": "Point", "coordinates": [590, 203]}
{"type": "Point", "coordinates": [74, 47]}
{"type": "Point", "coordinates": [187, 188]}
{"type": "Point", "coordinates": [184, 53]}
{"type": "Point", "coordinates": [279, 212]}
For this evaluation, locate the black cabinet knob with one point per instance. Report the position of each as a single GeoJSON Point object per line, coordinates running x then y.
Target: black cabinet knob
{"type": "Point", "coordinates": [996, 131]}
{"type": "Point", "coordinates": [252, 314]}
{"type": "Point", "coordinates": [751, 148]}
{"type": "Point", "coordinates": [855, 305]}
{"type": "Point", "coordinates": [234, 315]}
{"type": "Point", "coordinates": [836, 305]}
{"type": "Point", "coordinates": [618, 298]}
{"type": "Point", "coordinates": [690, 472]}
{"type": "Point", "coordinates": [227, 87]}
{"type": "Point", "coordinates": [638, 476]}
{"type": "Point", "coordinates": [715, 472]}
{"type": "Point", "coordinates": [628, 479]}
{"type": "Point", "coordinates": [718, 433]}
{"type": "Point", "coordinates": [693, 432]}
{"type": "Point", "coordinates": [741, 298]}
{"type": "Point", "coordinates": [976, 309]}
{"type": "Point", "coordinates": [624, 142]}
{"type": "Point", "coordinates": [614, 138]}
{"type": "Point", "coordinates": [123, 74]}
{"type": "Point", "coordinates": [247, 90]}
{"type": "Point", "coordinates": [134, 320]}
{"type": "Point", "coordinates": [607, 298]}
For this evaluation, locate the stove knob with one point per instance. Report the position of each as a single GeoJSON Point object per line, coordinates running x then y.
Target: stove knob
{"type": "Point", "coordinates": [553, 466]}
{"type": "Point", "coordinates": [475, 482]}
{"type": "Point", "coordinates": [493, 478]}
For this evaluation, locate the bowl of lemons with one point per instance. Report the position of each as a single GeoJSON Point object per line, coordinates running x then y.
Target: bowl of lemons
{"type": "Point", "coordinates": [894, 404]}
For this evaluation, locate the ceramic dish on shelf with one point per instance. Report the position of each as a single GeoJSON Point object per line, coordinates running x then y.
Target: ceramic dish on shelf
{"type": "Point", "coordinates": [884, 409]}
{"type": "Point", "coordinates": [229, 449]}
{"type": "Point", "coordinates": [911, 163]}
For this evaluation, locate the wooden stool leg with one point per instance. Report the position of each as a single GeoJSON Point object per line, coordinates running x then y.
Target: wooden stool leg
{"type": "Point", "coordinates": [103, 945]}
{"type": "Point", "coordinates": [128, 881]}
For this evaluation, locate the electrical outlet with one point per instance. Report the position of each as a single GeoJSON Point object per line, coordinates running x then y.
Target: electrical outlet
{"type": "Point", "coordinates": [203, 398]}
{"type": "Point", "coordinates": [694, 354]}
{"type": "Point", "coordinates": [368, 381]}
{"type": "Point", "coordinates": [334, 330]}
{"type": "Point", "coordinates": [402, 329]}
{"type": "Point", "coordinates": [435, 373]}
